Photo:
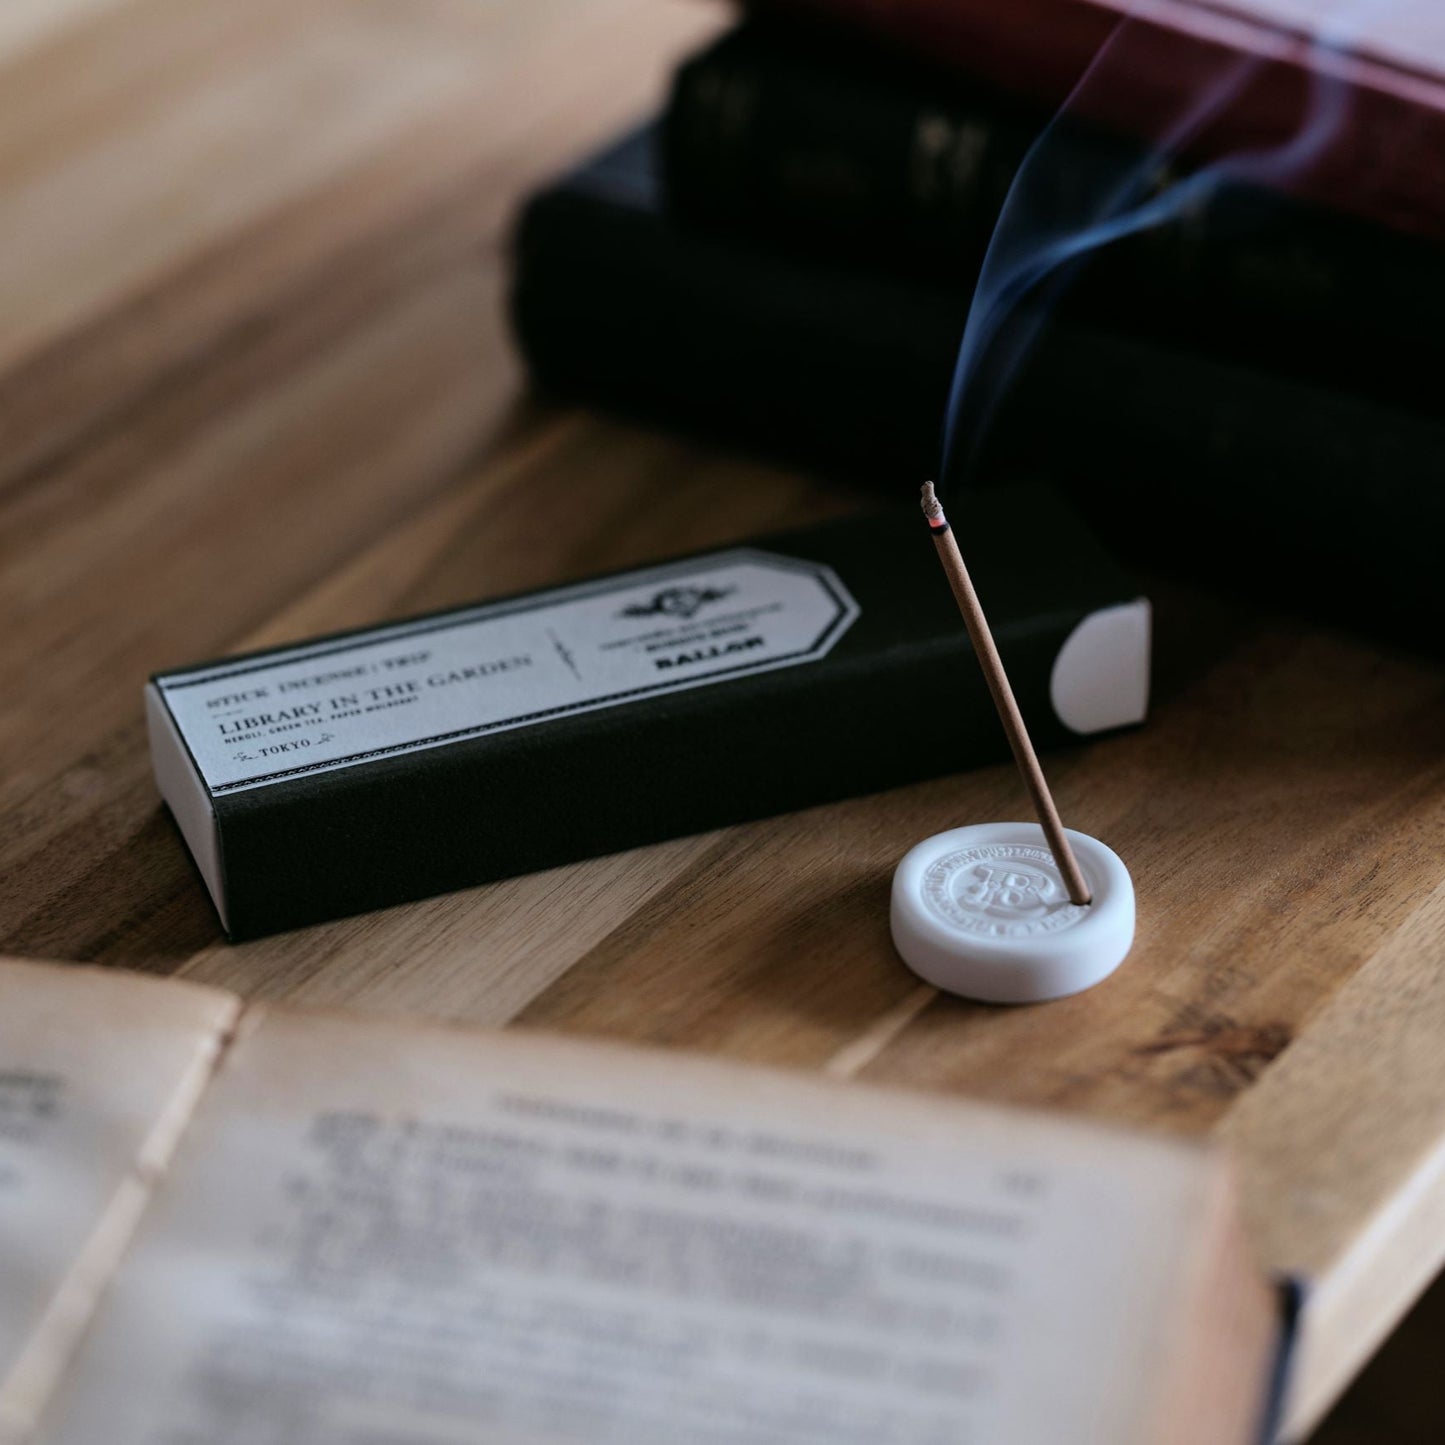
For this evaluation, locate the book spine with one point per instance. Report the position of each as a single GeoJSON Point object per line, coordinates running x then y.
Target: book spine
{"type": "Point", "coordinates": [765, 135]}
{"type": "Point", "coordinates": [843, 157]}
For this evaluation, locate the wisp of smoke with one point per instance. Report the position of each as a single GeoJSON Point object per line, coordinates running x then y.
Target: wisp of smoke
{"type": "Point", "coordinates": [1068, 200]}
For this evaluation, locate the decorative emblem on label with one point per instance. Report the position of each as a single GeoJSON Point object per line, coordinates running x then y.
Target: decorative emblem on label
{"type": "Point", "coordinates": [1000, 890]}
{"type": "Point", "coordinates": [344, 701]}
{"type": "Point", "coordinates": [684, 602]}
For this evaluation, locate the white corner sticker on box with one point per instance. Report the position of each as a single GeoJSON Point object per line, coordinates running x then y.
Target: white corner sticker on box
{"type": "Point", "coordinates": [437, 680]}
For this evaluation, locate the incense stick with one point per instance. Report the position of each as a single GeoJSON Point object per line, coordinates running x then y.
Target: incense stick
{"type": "Point", "coordinates": [1003, 696]}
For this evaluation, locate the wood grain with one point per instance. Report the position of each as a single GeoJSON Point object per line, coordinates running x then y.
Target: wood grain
{"type": "Point", "coordinates": [25, 23]}
{"type": "Point", "coordinates": [255, 383]}
{"type": "Point", "coordinates": [179, 176]}
{"type": "Point", "coordinates": [1342, 1147]}
{"type": "Point", "coordinates": [313, 376]}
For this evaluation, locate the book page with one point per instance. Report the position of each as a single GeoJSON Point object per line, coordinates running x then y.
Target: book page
{"type": "Point", "coordinates": [421, 1237]}
{"type": "Point", "coordinates": [1409, 32]}
{"type": "Point", "coordinates": [1406, 33]}
{"type": "Point", "coordinates": [99, 1072]}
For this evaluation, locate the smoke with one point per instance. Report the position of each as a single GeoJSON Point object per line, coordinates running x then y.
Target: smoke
{"type": "Point", "coordinates": [1076, 192]}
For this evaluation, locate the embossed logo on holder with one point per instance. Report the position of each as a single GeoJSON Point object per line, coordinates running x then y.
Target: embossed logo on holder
{"type": "Point", "coordinates": [1006, 890]}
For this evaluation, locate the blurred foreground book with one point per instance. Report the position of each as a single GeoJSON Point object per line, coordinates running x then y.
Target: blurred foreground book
{"type": "Point", "coordinates": [242, 1225]}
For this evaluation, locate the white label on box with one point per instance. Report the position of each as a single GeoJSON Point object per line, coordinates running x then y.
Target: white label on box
{"type": "Point", "coordinates": [437, 680]}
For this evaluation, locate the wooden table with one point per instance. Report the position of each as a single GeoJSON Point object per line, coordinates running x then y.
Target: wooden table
{"type": "Point", "coordinates": [255, 383]}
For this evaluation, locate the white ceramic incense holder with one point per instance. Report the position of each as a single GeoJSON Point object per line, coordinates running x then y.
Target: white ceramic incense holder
{"type": "Point", "coordinates": [983, 912]}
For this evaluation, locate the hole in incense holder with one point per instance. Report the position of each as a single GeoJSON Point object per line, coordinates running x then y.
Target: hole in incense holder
{"type": "Point", "coordinates": [983, 912]}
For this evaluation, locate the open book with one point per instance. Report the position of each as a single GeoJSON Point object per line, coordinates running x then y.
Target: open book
{"type": "Point", "coordinates": [252, 1226]}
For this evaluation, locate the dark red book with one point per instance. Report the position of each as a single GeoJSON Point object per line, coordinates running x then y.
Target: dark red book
{"type": "Point", "coordinates": [1381, 147]}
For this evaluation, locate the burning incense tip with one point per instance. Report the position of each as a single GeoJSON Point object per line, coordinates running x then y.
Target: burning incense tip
{"type": "Point", "coordinates": [933, 510]}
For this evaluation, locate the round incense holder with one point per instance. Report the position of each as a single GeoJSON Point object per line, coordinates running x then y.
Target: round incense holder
{"type": "Point", "coordinates": [983, 912]}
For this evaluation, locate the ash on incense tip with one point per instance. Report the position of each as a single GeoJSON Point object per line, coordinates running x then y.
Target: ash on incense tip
{"type": "Point", "coordinates": [1008, 912]}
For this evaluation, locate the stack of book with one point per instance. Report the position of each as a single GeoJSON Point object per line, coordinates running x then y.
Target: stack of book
{"type": "Point", "coordinates": [787, 256]}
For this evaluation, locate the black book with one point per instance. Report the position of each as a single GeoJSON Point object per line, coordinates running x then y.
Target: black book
{"type": "Point", "coordinates": [813, 144]}
{"type": "Point", "coordinates": [1284, 487]}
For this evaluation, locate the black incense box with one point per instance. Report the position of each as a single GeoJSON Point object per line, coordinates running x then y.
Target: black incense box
{"type": "Point", "coordinates": [399, 761]}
